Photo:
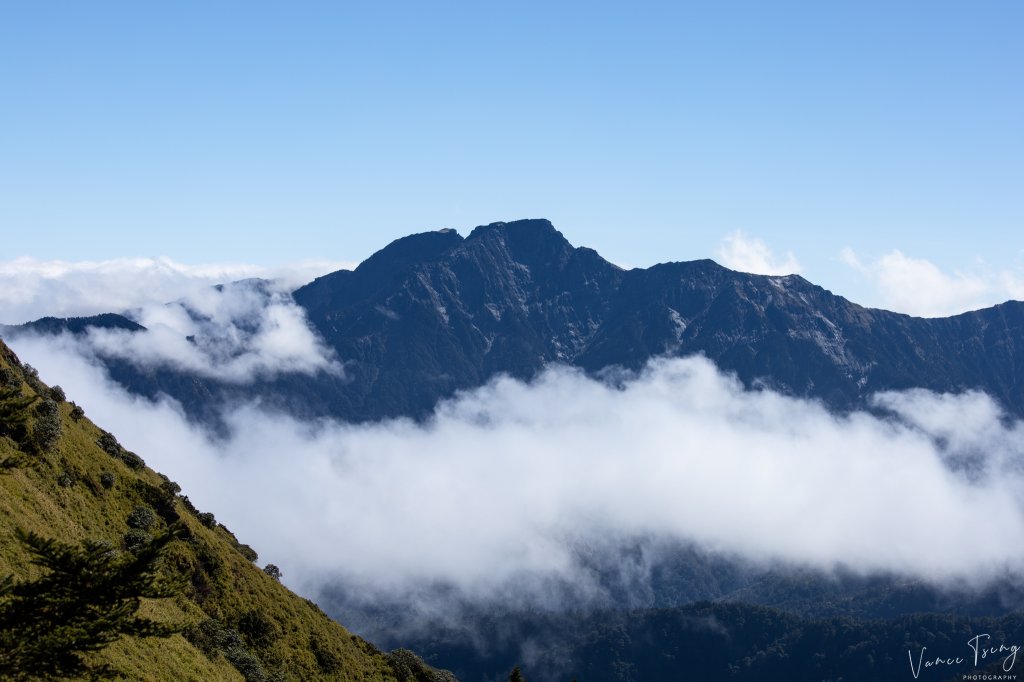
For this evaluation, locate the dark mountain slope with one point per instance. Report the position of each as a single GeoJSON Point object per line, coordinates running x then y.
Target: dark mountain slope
{"type": "Point", "coordinates": [513, 297]}
{"type": "Point", "coordinates": [78, 325]}
{"type": "Point", "coordinates": [796, 337]}
{"type": "Point", "coordinates": [506, 299]}
{"type": "Point", "coordinates": [434, 313]}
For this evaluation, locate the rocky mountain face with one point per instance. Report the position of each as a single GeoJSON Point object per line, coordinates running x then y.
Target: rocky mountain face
{"type": "Point", "coordinates": [433, 313]}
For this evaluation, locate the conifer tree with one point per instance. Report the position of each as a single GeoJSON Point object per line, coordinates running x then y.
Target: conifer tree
{"type": "Point", "coordinates": [13, 409]}
{"type": "Point", "coordinates": [14, 415]}
{"type": "Point", "coordinates": [87, 599]}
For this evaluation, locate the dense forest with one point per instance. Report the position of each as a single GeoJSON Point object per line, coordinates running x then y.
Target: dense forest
{"type": "Point", "coordinates": [729, 641]}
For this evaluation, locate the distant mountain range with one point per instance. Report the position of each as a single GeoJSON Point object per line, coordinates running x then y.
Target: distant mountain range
{"type": "Point", "coordinates": [434, 313]}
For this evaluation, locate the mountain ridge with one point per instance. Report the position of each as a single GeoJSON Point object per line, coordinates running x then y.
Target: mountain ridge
{"type": "Point", "coordinates": [434, 313]}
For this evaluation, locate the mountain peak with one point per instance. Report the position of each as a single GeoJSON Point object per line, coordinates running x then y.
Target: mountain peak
{"type": "Point", "coordinates": [532, 242]}
{"type": "Point", "coordinates": [380, 269]}
{"type": "Point", "coordinates": [406, 251]}
{"type": "Point", "coordinates": [535, 227]}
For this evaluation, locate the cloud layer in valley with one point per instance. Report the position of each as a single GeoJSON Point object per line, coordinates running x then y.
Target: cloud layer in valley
{"type": "Point", "coordinates": [504, 481]}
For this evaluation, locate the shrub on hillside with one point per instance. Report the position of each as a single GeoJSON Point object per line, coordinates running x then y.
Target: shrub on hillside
{"type": "Point", "coordinates": [9, 378]}
{"type": "Point", "coordinates": [246, 663]}
{"type": "Point", "coordinates": [187, 503]}
{"type": "Point", "coordinates": [136, 538]}
{"type": "Point", "coordinates": [31, 375]}
{"type": "Point", "coordinates": [258, 628]}
{"type": "Point", "coordinates": [248, 552]}
{"type": "Point", "coordinates": [46, 430]}
{"type": "Point", "coordinates": [328, 661]}
{"type": "Point", "coordinates": [141, 517]}
{"type": "Point", "coordinates": [160, 499]}
{"type": "Point", "coordinates": [170, 488]}
{"type": "Point", "coordinates": [212, 638]}
{"type": "Point", "coordinates": [132, 460]}
{"type": "Point", "coordinates": [109, 444]}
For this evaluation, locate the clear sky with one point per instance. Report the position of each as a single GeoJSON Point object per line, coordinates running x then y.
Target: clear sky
{"type": "Point", "coordinates": [268, 132]}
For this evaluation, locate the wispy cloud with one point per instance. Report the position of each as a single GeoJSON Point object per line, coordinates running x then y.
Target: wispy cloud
{"type": "Point", "coordinates": [739, 251]}
{"type": "Point", "coordinates": [31, 288]}
{"type": "Point", "coordinates": [917, 286]}
{"type": "Point", "coordinates": [236, 332]}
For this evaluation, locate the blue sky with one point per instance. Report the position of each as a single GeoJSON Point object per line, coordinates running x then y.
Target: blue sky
{"type": "Point", "coordinates": [271, 132]}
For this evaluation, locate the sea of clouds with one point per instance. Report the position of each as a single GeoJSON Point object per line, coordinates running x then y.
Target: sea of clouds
{"type": "Point", "coordinates": [505, 480]}
{"type": "Point", "coordinates": [505, 483]}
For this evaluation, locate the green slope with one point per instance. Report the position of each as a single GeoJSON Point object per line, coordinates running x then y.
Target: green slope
{"type": "Point", "coordinates": [242, 624]}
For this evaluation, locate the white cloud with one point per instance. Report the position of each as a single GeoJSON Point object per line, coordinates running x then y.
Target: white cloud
{"type": "Point", "coordinates": [749, 254]}
{"type": "Point", "coordinates": [1013, 283]}
{"type": "Point", "coordinates": [506, 480]}
{"type": "Point", "coordinates": [31, 288]}
{"type": "Point", "coordinates": [235, 332]}
{"type": "Point", "coordinates": [916, 286]}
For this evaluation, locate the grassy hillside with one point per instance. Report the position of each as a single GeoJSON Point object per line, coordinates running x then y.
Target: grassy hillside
{"type": "Point", "coordinates": [65, 478]}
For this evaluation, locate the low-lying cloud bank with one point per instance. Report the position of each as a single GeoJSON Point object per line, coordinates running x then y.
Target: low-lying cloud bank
{"type": "Point", "coordinates": [506, 482]}
{"type": "Point", "coordinates": [31, 288]}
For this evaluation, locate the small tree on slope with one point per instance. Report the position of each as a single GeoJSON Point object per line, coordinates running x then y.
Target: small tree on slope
{"type": "Point", "coordinates": [88, 598]}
